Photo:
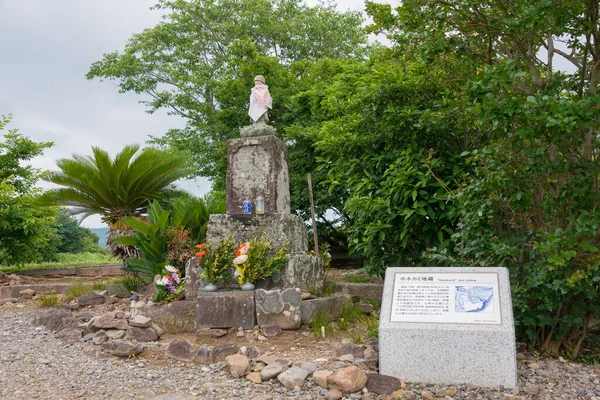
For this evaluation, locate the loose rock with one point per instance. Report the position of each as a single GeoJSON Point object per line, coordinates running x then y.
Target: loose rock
{"type": "Point", "coordinates": [347, 380]}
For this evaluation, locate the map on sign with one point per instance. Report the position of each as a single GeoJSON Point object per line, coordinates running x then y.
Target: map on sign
{"type": "Point", "coordinates": [440, 297]}
{"type": "Point", "coordinates": [474, 299]}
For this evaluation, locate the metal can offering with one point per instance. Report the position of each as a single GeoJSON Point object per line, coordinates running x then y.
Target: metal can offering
{"type": "Point", "coordinates": [247, 207]}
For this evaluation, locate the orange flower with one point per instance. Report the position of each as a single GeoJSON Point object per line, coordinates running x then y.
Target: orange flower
{"type": "Point", "coordinates": [200, 246]}
{"type": "Point", "coordinates": [200, 253]}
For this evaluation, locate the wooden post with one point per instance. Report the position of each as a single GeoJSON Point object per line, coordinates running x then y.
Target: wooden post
{"type": "Point", "coordinates": [312, 213]}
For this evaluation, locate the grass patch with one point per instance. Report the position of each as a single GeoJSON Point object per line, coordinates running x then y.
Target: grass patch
{"type": "Point", "coordinates": [356, 278]}
{"type": "Point", "coordinates": [321, 319]}
{"type": "Point", "coordinates": [48, 299]}
{"type": "Point", "coordinates": [371, 325]}
{"type": "Point", "coordinates": [65, 260]}
{"type": "Point", "coordinates": [375, 303]}
{"type": "Point", "coordinates": [78, 288]}
{"type": "Point", "coordinates": [356, 337]}
{"type": "Point", "coordinates": [129, 282]}
{"type": "Point", "coordinates": [329, 288]}
{"type": "Point", "coordinates": [99, 285]}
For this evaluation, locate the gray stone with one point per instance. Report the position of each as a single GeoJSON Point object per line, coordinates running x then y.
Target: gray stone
{"type": "Point", "coordinates": [320, 377]}
{"type": "Point", "coordinates": [472, 353]}
{"type": "Point", "coordinates": [70, 334]}
{"type": "Point", "coordinates": [203, 355]}
{"type": "Point", "coordinates": [8, 300]}
{"type": "Point", "coordinates": [371, 291]}
{"type": "Point", "coordinates": [90, 299]}
{"type": "Point", "coordinates": [293, 377]}
{"type": "Point", "coordinates": [221, 352]}
{"type": "Point", "coordinates": [116, 333]}
{"type": "Point", "coordinates": [225, 309]}
{"type": "Point", "coordinates": [353, 349]}
{"type": "Point", "coordinates": [175, 317]}
{"type": "Point", "coordinates": [256, 166]}
{"type": "Point", "coordinates": [108, 321]}
{"type": "Point", "coordinates": [272, 370]}
{"type": "Point", "coordinates": [117, 291]}
{"type": "Point", "coordinates": [69, 322]}
{"type": "Point", "coordinates": [88, 337]}
{"type": "Point", "coordinates": [123, 349]}
{"type": "Point", "coordinates": [305, 272]}
{"type": "Point", "coordinates": [271, 330]}
{"type": "Point", "coordinates": [278, 307]}
{"type": "Point", "coordinates": [99, 338]}
{"type": "Point", "coordinates": [383, 384]}
{"type": "Point", "coordinates": [140, 321]}
{"type": "Point", "coordinates": [333, 394]}
{"type": "Point", "coordinates": [331, 305]}
{"type": "Point", "coordinates": [309, 367]}
{"type": "Point", "coordinates": [51, 318]}
{"type": "Point", "coordinates": [110, 300]}
{"type": "Point", "coordinates": [257, 129]}
{"type": "Point", "coordinates": [180, 350]}
{"type": "Point", "coordinates": [211, 332]}
{"type": "Point", "coordinates": [141, 334]}
{"type": "Point", "coordinates": [253, 352]}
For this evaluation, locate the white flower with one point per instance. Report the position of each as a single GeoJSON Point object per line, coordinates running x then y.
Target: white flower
{"type": "Point", "coordinates": [171, 268]}
{"type": "Point", "coordinates": [240, 259]}
{"type": "Point", "coordinates": [163, 282]}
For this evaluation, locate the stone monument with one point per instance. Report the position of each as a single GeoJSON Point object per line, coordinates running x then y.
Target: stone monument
{"type": "Point", "coordinates": [257, 174]}
{"type": "Point", "coordinates": [448, 326]}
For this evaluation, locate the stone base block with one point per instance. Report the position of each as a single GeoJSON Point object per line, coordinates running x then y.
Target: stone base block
{"type": "Point", "coordinates": [331, 305]}
{"type": "Point", "coordinates": [175, 317]}
{"type": "Point", "coordinates": [225, 309]}
{"type": "Point", "coordinates": [278, 308]}
{"type": "Point", "coordinates": [372, 291]}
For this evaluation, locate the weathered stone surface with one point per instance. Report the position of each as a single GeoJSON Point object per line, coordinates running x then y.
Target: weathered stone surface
{"type": "Point", "coordinates": [252, 352]}
{"type": "Point", "coordinates": [203, 355]}
{"type": "Point", "coordinates": [221, 352]}
{"type": "Point", "coordinates": [70, 334]}
{"type": "Point", "coordinates": [192, 280]}
{"type": "Point", "coordinates": [275, 368]}
{"type": "Point", "coordinates": [354, 349]}
{"type": "Point", "coordinates": [278, 307]}
{"type": "Point", "coordinates": [69, 322]}
{"type": "Point", "coordinates": [99, 338]}
{"type": "Point", "coordinates": [258, 166]}
{"type": "Point", "coordinates": [13, 290]}
{"type": "Point", "coordinates": [116, 333]}
{"type": "Point", "coordinates": [123, 349]}
{"type": "Point", "coordinates": [271, 330]}
{"type": "Point", "coordinates": [27, 293]}
{"type": "Point", "coordinates": [8, 300]}
{"type": "Point", "coordinates": [332, 305]}
{"type": "Point", "coordinates": [108, 321]}
{"type": "Point", "coordinates": [211, 332]}
{"type": "Point", "coordinates": [333, 394]}
{"type": "Point", "coordinates": [347, 357]}
{"type": "Point", "coordinates": [450, 392]}
{"type": "Point", "coordinates": [227, 309]}
{"type": "Point", "coordinates": [140, 321]}
{"type": "Point", "coordinates": [157, 329]}
{"type": "Point", "coordinates": [347, 380]}
{"type": "Point", "coordinates": [258, 129]}
{"type": "Point", "coordinates": [117, 291]}
{"type": "Point", "coordinates": [175, 317]}
{"type": "Point", "coordinates": [320, 377]}
{"type": "Point", "coordinates": [51, 318]}
{"type": "Point", "coordinates": [309, 367]}
{"type": "Point", "coordinates": [383, 384]}
{"type": "Point", "coordinates": [293, 377]}
{"type": "Point", "coordinates": [180, 350]}
{"type": "Point", "coordinates": [371, 291]}
{"type": "Point", "coordinates": [254, 377]}
{"type": "Point", "coordinates": [90, 299]}
{"type": "Point", "coordinates": [304, 271]}
{"type": "Point", "coordinates": [141, 334]}
{"type": "Point", "coordinates": [238, 364]}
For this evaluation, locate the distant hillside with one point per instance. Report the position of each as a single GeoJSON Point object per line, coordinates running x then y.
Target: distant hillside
{"type": "Point", "coordinates": [102, 234]}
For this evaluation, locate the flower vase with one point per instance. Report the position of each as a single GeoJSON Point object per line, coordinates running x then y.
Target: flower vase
{"type": "Point", "coordinates": [211, 287]}
{"type": "Point", "coordinates": [247, 286]}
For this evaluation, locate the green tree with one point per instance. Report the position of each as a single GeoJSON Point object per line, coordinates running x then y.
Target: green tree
{"type": "Point", "coordinates": [199, 63]}
{"type": "Point", "coordinates": [116, 188]}
{"type": "Point", "coordinates": [531, 203]}
{"type": "Point", "coordinates": [26, 231]}
{"type": "Point", "coordinates": [73, 237]}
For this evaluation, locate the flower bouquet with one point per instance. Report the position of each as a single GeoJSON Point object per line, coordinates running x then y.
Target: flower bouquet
{"type": "Point", "coordinates": [215, 262]}
{"type": "Point", "coordinates": [169, 286]}
{"type": "Point", "coordinates": [258, 260]}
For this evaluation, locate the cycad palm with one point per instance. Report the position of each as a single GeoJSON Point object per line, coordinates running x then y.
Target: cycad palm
{"type": "Point", "coordinates": [116, 188]}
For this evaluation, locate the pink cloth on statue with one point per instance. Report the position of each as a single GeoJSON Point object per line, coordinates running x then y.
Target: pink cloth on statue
{"type": "Point", "coordinates": [261, 94]}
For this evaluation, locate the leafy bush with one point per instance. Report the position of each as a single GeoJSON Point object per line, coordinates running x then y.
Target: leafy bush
{"type": "Point", "coordinates": [215, 263]}
{"type": "Point", "coordinates": [258, 259]}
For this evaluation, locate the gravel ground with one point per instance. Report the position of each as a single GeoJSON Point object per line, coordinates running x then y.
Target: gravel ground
{"type": "Point", "coordinates": [36, 365]}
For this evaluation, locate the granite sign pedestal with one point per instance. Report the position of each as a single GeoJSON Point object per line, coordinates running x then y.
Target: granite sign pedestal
{"type": "Point", "coordinates": [448, 326]}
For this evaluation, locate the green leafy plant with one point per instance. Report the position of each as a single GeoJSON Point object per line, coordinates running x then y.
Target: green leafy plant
{"type": "Point", "coordinates": [355, 278]}
{"type": "Point", "coordinates": [215, 262]}
{"type": "Point", "coordinates": [99, 285]}
{"type": "Point", "coordinates": [129, 282]}
{"type": "Point", "coordinates": [78, 288]}
{"type": "Point", "coordinates": [258, 259]}
{"type": "Point", "coordinates": [371, 324]}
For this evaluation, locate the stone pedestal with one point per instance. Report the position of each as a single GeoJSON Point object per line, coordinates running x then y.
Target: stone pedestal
{"type": "Point", "coordinates": [225, 309]}
{"type": "Point", "coordinates": [258, 166]}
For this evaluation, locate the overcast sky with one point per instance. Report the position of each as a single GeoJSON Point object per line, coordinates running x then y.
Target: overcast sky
{"type": "Point", "coordinates": [47, 47]}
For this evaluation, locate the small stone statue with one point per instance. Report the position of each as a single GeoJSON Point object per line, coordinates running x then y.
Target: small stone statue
{"type": "Point", "coordinates": [260, 101]}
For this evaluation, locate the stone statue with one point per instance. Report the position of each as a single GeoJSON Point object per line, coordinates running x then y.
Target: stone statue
{"type": "Point", "coordinates": [260, 101]}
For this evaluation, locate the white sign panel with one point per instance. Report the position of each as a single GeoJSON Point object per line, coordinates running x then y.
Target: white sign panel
{"type": "Point", "coordinates": [456, 298]}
